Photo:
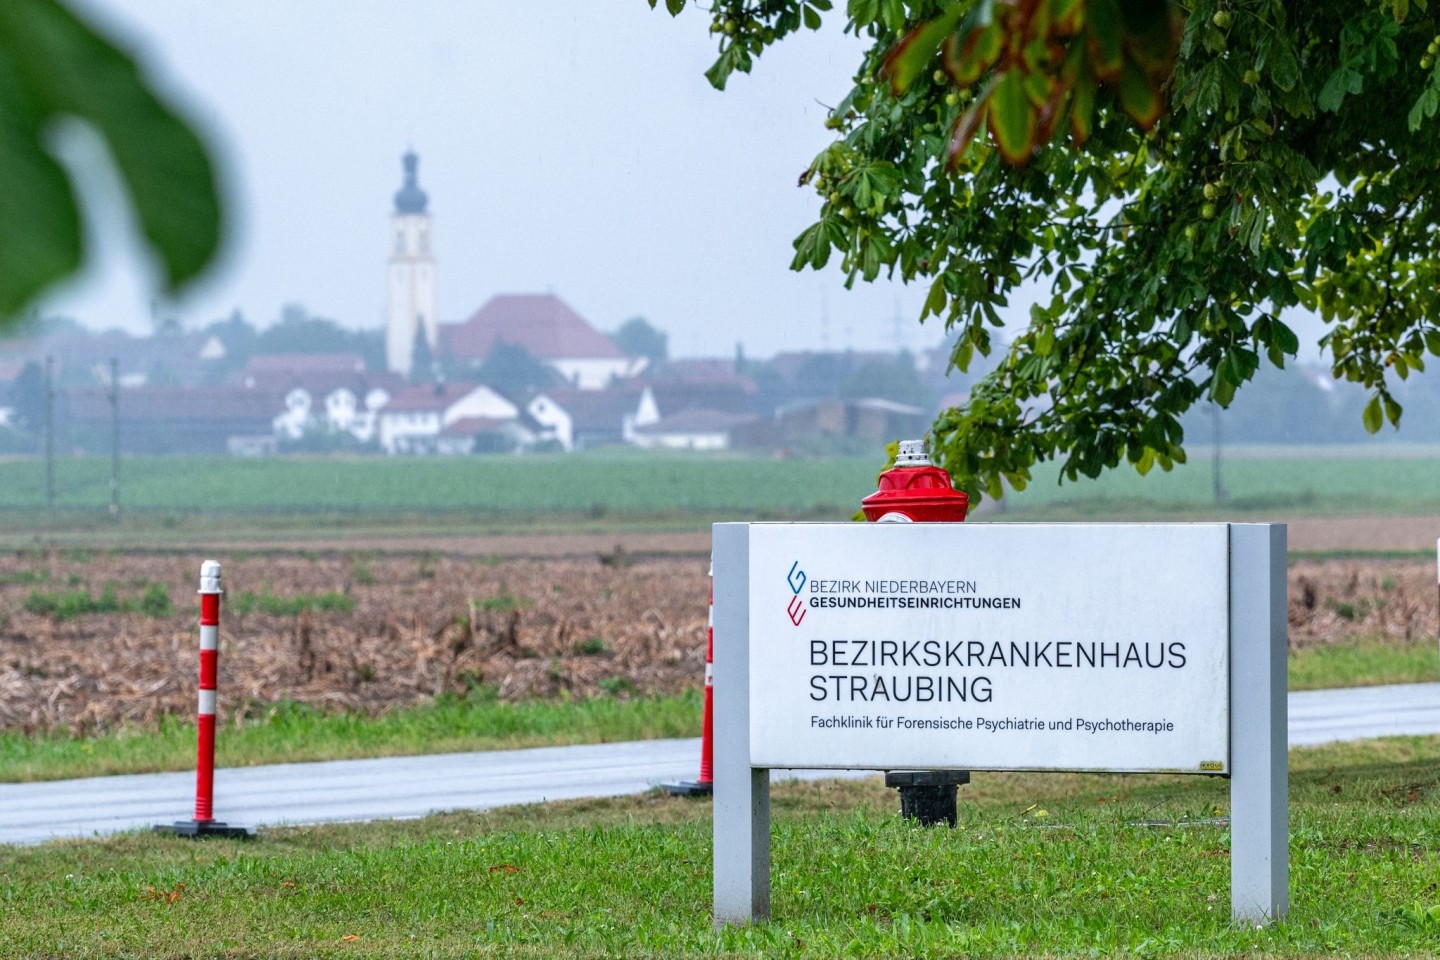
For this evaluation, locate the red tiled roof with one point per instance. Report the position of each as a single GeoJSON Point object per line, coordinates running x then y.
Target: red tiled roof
{"type": "Point", "coordinates": [733, 396]}
{"type": "Point", "coordinates": [176, 403]}
{"type": "Point", "coordinates": [596, 409]}
{"type": "Point", "coordinates": [789, 362]}
{"type": "Point", "coordinates": [542, 323]}
{"type": "Point", "coordinates": [693, 370]}
{"type": "Point", "coordinates": [323, 382]}
{"type": "Point", "coordinates": [426, 397]}
{"type": "Point", "coordinates": [697, 421]}
{"type": "Point", "coordinates": [470, 426]}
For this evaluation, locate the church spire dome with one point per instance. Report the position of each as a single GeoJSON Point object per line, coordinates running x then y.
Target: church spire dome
{"type": "Point", "coordinates": [410, 198]}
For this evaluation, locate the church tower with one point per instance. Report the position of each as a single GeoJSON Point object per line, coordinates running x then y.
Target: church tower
{"type": "Point", "coordinates": [412, 274]}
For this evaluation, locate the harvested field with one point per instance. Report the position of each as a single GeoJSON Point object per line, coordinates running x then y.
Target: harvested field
{"type": "Point", "coordinates": [1341, 601]}
{"type": "Point", "coordinates": [398, 630]}
{"type": "Point", "coordinates": [371, 632]}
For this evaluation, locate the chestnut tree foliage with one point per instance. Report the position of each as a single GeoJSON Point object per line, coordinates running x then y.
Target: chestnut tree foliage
{"type": "Point", "coordinates": [57, 69]}
{"type": "Point", "coordinates": [1169, 182]}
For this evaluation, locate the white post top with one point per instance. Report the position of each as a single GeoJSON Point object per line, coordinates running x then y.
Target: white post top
{"type": "Point", "coordinates": [210, 577]}
{"type": "Point", "coordinates": [912, 454]}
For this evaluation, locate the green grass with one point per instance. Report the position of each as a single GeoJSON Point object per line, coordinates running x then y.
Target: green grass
{"type": "Point", "coordinates": [603, 487]}
{"type": "Point", "coordinates": [1364, 664]}
{"type": "Point", "coordinates": [1040, 865]}
{"type": "Point", "coordinates": [153, 601]}
{"type": "Point", "coordinates": [1309, 485]}
{"type": "Point", "coordinates": [291, 733]}
{"type": "Point", "coordinates": [591, 484]}
{"type": "Point", "coordinates": [278, 606]}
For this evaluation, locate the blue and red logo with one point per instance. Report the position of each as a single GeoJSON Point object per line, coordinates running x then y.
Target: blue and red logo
{"type": "Point", "coordinates": [796, 579]}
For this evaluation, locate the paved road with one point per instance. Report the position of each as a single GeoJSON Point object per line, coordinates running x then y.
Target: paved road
{"type": "Point", "coordinates": [414, 786]}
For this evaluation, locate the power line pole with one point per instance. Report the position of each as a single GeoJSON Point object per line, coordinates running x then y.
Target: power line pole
{"type": "Point", "coordinates": [50, 433]}
{"type": "Point", "coordinates": [115, 437]}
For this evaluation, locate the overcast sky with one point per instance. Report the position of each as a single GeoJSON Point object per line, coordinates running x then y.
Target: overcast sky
{"type": "Point", "coordinates": [567, 145]}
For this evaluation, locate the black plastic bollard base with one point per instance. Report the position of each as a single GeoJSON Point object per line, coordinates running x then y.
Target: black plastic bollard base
{"type": "Point", "coordinates": [927, 796]}
{"type": "Point", "coordinates": [200, 829]}
{"type": "Point", "coordinates": [689, 788]}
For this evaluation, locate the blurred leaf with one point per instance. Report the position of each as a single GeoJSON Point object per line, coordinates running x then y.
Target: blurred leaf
{"type": "Point", "coordinates": [966, 126]}
{"type": "Point", "coordinates": [1082, 108]}
{"type": "Point", "coordinates": [1106, 38]}
{"type": "Point", "coordinates": [1142, 102]}
{"type": "Point", "coordinates": [40, 240]}
{"type": "Point", "coordinates": [54, 67]}
{"type": "Point", "coordinates": [967, 59]}
{"type": "Point", "coordinates": [1012, 118]}
{"type": "Point", "coordinates": [909, 58]}
{"type": "Point", "coordinates": [1372, 417]}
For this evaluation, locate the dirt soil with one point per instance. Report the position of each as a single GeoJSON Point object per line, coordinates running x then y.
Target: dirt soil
{"type": "Point", "coordinates": [1307, 534]}
{"type": "Point", "coordinates": [403, 629]}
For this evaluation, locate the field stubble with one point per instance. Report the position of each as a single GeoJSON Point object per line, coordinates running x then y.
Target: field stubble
{"type": "Point", "coordinates": [369, 632]}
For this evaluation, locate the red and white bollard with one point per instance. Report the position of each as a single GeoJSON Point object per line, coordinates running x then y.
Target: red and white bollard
{"type": "Point", "coordinates": [706, 784]}
{"type": "Point", "coordinates": [205, 824]}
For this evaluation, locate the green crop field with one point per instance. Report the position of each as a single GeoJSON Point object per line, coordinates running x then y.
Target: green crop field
{"type": "Point", "coordinates": [1318, 484]}
{"type": "Point", "coordinates": [507, 485]}
{"type": "Point", "coordinates": [623, 484]}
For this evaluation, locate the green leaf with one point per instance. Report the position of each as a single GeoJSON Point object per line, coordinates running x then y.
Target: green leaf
{"type": "Point", "coordinates": [1138, 98]}
{"type": "Point", "coordinates": [967, 125]}
{"type": "Point", "coordinates": [1284, 66]}
{"type": "Point", "coordinates": [892, 14]}
{"type": "Point", "coordinates": [1106, 38]}
{"type": "Point", "coordinates": [1068, 16]}
{"type": "Point", "coordinates": [1208, 89]}
{"type": "Point", "coordinates": [59, 67]}
{"type": "Point", "coordinates": [674, 6]}
{"type": "Point", "coordinates": [1341, 82]}
{"type": "Point", "coordinates": [1045, 341]}
{"type": "Point", "coordinates": [863, 11]}
{"type": "Point", "coordinates": [1284, 337]}
{"type": "Point", "coordinates": [812, 18]}
{"type": "Point", "coordinates": [936, 300]}
{"type": "Point", "coordinates": [909, 58]}
{"type": "Point", "coordinates": [1082, 108]}
{"type": "Point", "coordinates": [1392, 410]}
{"type": "Point", "coordinates": [1425, 107]}
{"type": "Point", "coordinates": [36, 194]}
{"type": "Point", "coordinates": [1372, 417]}
{"type": "Point", "coordinates": [1012, 119]}
{"type": "Point", "coordinates": [966, 60]}
{"type": "Point", "coordinates": [812, 248]}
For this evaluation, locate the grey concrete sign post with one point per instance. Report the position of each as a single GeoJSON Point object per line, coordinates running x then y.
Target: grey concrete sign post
{"type": "Point", "coordinates": [1235, 666]}
{"type": "Point", "coordinates": [1259, 755]}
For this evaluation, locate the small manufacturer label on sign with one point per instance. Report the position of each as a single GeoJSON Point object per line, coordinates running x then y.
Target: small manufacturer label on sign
{"type": "Point", "coordinates": [1216, 765]}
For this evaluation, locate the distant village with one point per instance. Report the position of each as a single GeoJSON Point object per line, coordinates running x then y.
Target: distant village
{"type": "Point", "coordinates": [524, 373]}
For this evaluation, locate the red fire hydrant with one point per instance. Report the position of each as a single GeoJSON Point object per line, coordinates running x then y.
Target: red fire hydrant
{"type": "Point", "coordinates": [915, 490]}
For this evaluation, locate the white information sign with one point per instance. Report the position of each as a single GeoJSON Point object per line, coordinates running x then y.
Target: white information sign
{"type": "Point", "coordinates": [990, 646]}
